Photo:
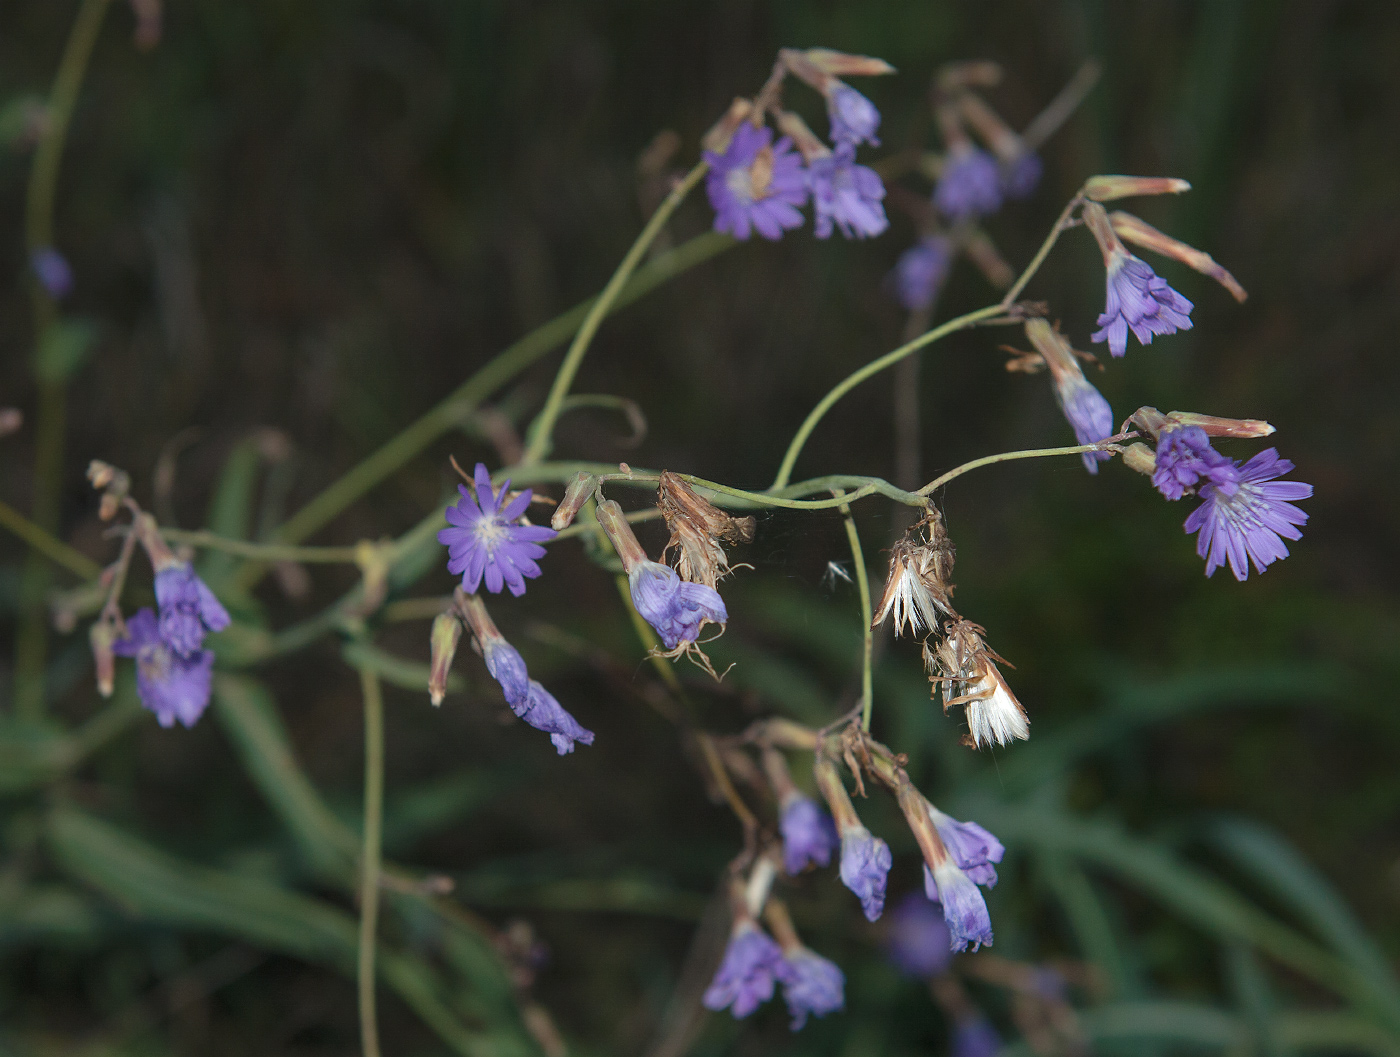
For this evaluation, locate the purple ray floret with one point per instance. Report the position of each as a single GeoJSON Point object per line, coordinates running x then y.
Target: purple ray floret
{"type": "Point", "coordinates": [752, 964]}
{"type": "Point", "coordinates": [970, 185]}
{"type": "Point", "coordinates": [540, 709]}
{"type": "Point", "coordinates": [973, 1036]}
{"type": "Point", "coordinates": [676, 608]}
{"type": "Point", "coordinates": [484, 541]}
{"type": "Point", "coordinates": [755, 186]}
{"type": "Point", "coordinates": [848, 195]}
{"type": "Point", "coordinates": [1089, 413]}
{"type": "Point", "coordinates": [172, 686]}
{"type": "Point", "coordinates": [1186, 460]}
{"type": "Point", "coordinates": [1141, 301]}
{"type": "Point", "coordinates": [972, 847]}
{"type": "Point", "coordinates": [854, 118]}
{"type": "Point", "coordinates": [1251, 522]}
{"type": "Point", "coordinates": [918, 942]}
{"type": "Point", "coordinates": [921, 271]}
{"type": "Point", "coordinates": [817, 987]}
{"type": "Point", "coordinates": [188, 609]}
{"type": "Point", "coordinates": [1020, 178]}
{"type": "Point", "coordinates": [865, 868]}
{"type": "Point", "coordinates": [809, 834]}
{"type": "Point", "coordinates": [964, 909]}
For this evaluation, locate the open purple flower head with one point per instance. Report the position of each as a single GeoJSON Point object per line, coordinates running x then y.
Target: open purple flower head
{"type": "Point", "coordinates": [188, 609]}
{"type": "Point", "coordinates": [972, 847]}
{"type": "Point", "coordinates": [809, 834]}
{"type": "Point", "coordinates": [540, 709]}
{"type": "Point", "coordinates": [817, 986]}
{"type": "Point", "coordinates": [964, 909]}
{"type": "Point", "coordinates": [483, 540]}
{"type": "Point", "coordinates": [1251, 522]}
{"type": "Point", "coordinates": [848, 195]}
{"type": "Point", "coordinates": [974, 1037]}
{"type": "Point", "coordinates": [865, 868]}
{"type": "Point", "coordinates": [921, 271]}
{"type": "Point", "coordinates": [1020, 177]}
{"type": "Point", "coordinates": [918, 941]}
{"type": "Point", "coordinates": [755, 186]}
{"type": "Point", "coordinates": [1141, 301]}
{"type": "Point", "coordinates": [854, 119]}
{"type": "Point", "coordinates": [172, 686]}
{"type": "Point", "coordinates": [970, 185]}
{"type": "Point", "coordinates": [53, 271]}
{"type": "Point", "coordinates": [676, 608]}
{"type": "Point", "coordinates": [752, 964]}
{"type": "Point", "coordinates": [1185, 459]}
{"type": "Point", "coordinates": [1088, 413]}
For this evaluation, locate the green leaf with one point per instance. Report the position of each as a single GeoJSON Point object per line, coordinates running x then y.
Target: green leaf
{"type": "Point", "coordinates": [63, 347]}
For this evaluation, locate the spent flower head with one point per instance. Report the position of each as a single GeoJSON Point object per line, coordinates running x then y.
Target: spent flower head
{"type": "Point", "coordinates": [966, 668]}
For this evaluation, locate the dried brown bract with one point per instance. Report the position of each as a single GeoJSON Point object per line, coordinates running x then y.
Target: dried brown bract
{"type": "Point", "coordinates": [697, 527]}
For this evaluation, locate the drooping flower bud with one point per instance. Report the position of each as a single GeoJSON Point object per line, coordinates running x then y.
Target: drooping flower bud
{"type": "Point", "coordinates": [1137, 298]}
{"type": "Point", "coordinates": [447, 630]}
{"type": "Point", "coordinates": [1083, 406]}
{"type": "Point", "coordinates": [575, 495]}
{"type": "Point", "coordinates": [945, 882]}
{"type": "Point", "coordinates": [1141, 233]}
{"type": "Point", "coordinates": [865, 858]}
{"type": "Point", "coordinates": [1213, 426]}
{"type": "Point", "coordinates": [1107, 188]}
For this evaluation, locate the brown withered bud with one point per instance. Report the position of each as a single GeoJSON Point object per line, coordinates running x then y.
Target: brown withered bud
{"type": "Point", "coordinates": [722, 131]}
{"type": "Point", "coordinates": [844, 65]}
{"type": "Point", "coordinates": [1141, 233]}
{"type": "Point", "coordinates": [114, 483]}
{"type": "Point", "coordinates": [697, 527]}
{"type": "Point", "coordinates": [580, 488]}
{"type": "Point", "coordinates": [1107, 188]}
{"type": "Point", "coordinates": [919, 590]}
{"type": "Point", "coordinates": [965, 667]}
{"type": "Point", "coordinates": [101, 636]}
{"type": "Point", "coordinates": [1247, 428]}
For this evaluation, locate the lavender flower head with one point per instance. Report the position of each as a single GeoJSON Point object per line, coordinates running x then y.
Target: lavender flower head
{"type": "Point", "coordinates": [753, 185]}
{"type": "Point", "coordinates": [918, 941]}
{"type": "Point", "coordinates": [1088, 413]}
{"type": "Point", "coordinates": [1021, 176]}
{"type": "Point", "coordinates": [964, 909]}
{"type": "Point", "coordinates": [188, 609]}
{"type": "Point", "coordinates": [974, 1037]}
{"type": "Point", "coordinates": [854, 118]}
{"type": "Point", "coordinates": [507, 667]}
{"type": "Point", "coordinates": [1253, 520]}
{"type": "Point", "coordinates": [846, 194]}
{"type": "Point", "coordinates": [921, 272]}
{"type": "Point", "coordinates": [972, 847]}
{"type": "Point", "coordinates": [1140, 301]}
{"type": "Point", "coordinates": [528, 699]}
{"type": "Point", "coordinates": [172, 686]}
{"type": "Point", "coordinates": [52, 270]}
{"type": "Point", "coordinates": [809, 834]}
{"type": "Point", "coordinates": [484, 541]}
{"type": "Point", "coordinates": [752, 964]}
{"type": "Point", "coordinates": [1185, 458]}
{"type": "Point", "coordinates": [970, 185]}
{"type": "Point", "coordinates": [865, 867]}
{"type": "Point", "coordinates": [818, 986]}
{"type": "Point", "coordinates": [676, 608]}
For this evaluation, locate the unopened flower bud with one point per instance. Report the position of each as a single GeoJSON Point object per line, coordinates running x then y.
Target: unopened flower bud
{"type": "Point", "coordinates": [1149, 420]}
{"type": "Point", "coordinates": [1245, 428]}
{"type": "Point", "coordinates": [580, 488]}
{"type": "Point", "coordinates": [1107, 188]}
{"type": "Point", "coordinates": [447, 631]}
{"type": "Point", "coordinates": [1140, 457]}
{"type": "Point", "coordinates": [1141, 233]}
{"type": "Point", "coordinates": [807, 142]}
{"type": "Point", "coordinates": [843, 65]}
{"type": "Point", "coordinates": [101, 636]}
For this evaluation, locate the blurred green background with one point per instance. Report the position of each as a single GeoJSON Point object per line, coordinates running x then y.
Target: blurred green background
{"type": "Point", "coordinates": [304, 224]}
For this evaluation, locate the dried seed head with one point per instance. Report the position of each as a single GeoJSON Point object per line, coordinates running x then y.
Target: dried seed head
{"type": "Point", "coordinates": [919, 589]}
{"type": "Point", "coordinates": [966, 669]}
{"type": "Point", "coordinates": [696, 527]}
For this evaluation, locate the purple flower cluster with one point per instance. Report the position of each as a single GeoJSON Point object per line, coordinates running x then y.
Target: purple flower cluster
{"type": "Point", "coordinates": [1185, 459]}
{"type": "Point", "coordinates": [865, 867]}
{"type": "Point", "coordinates": [484, 540]}
{"type": "Point", "coordinates": [854, 119]}
{"type": "Point", "coordinates": [529, 700]}
{"type": "Point", "coordinates": [676, 608]}
{"type": "Point", "coordinates": [809, 834]}
{"type": "Point", "coordinates": [847, 195]}
{"type": "Point", "coordinates": [918, 942]}
{"type": "Point", "coordinates": [1140, 301]}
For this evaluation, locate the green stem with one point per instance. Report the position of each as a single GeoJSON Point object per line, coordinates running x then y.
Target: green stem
{"type": "Point", "coordinates": [1110, 445]}
{"type": "Point", "coordinates": [867, 620]}
{"type": "Point", "coordinates": [47, 544]}
{"type": "Point", "coordinates": [271, 552]}
{"type": "Point", "coordinates": [370, 858]}
{"type": "Point", "coordinates": [868, 371]}
{"type": "Point", "coordinates": [542, 430]}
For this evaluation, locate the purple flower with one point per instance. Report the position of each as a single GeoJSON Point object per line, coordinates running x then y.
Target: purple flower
{"type": "Point", "coordinates": [676, 608]}
{"type": "Point", "coordinates": [817, 986]}
{"type": "Point", "coordinates": [970, 185]}
{"type": "Point", "coordinates": [1020, 178]}
{"type": "Point", "coordinates": [483, 539]}
{"type": "Point", "coordinates": [1253, 520]}
{"type": "Point", "coordinates": [172, 686]}
{"type": "Point", "coordinates": [756, 185]}
{"type": "Point", "coordinates": [918, 941]}
{"type": "Point", "coordinates": [52, 270]}
{"type": "Point", "coordinates": [540, 709]}
{"type": "Point", "coordinates": [865, 866]}
{"type": "Point", "coordinates": [1139, 299]}
{"type": "Point", "coordinates": [1088, 412]}
{"type": "Point", "coordinates": [972, 847]}
{"type": "Point", "coordinates": [188, 609]}
{"type": "Point", "coordinates": [1184, 457]}
{"type": "Point", "coordinates": [964, 909]}
{"type": "Point", "coordinates": [847, 194]}
{"type": "Point", "coordinates": [507, 667]}
{"type": "Point", "coordinates": [974, 1037]}
{"type": "Point", "coordinates": [752, 964]}
{"type": "Point", "coordinates": [809, 834]}
{"type": "Point", "coordinates": [854, 118]}
{"type": "Point", "coordinates": [921, 272]}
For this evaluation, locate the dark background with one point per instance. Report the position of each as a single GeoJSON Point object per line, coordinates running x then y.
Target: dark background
{"type": "Point", "coordinates": [319, 218]}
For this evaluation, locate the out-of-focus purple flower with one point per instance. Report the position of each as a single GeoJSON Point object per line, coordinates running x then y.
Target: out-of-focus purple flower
{"type": "Point", "coordinates": [540, 709]}
{"type": "Point", "coordinates": [972, 847]}
{"type": "Point", "coordinates": [964, 909]}
{"type": "Point", "coordinates": [1253, 521]}
{"type": "Point", "coordinates": [1141, 301]}
{"type": "Point", "coordinates": [755, 185]}
{"type": "Point", "coordinates": [484, 541]}
{"type": "Point", "coordinates": [854, 118]}
{"type": "Point", "coordinates": [809, 834]}
{"type": "Point", "coordinates": [921, 272]}
{"type": "Point", "coordinates": [1185, 457]}
{"type": "Point", "coordinates": [918, 941]}
{"type": "Point", "coordinates": [676, 608]}
{"type": "Point", "coordinates": [188, 609]}
{"type": "Point", "coordinates": [52, 270]}
{"type": "Point", "coordinates": [973, 1036]}
{"type": "Point", "coordinates": [846, 194]}
{"type": "Point", "coordinates": [752, 964]}
{"type": "Point", "coordinates": [172, 686]}
{"type": "Point", "coordinates": [865, 867]}
{"type": "Point", "coordinates": [970, 185]}
{"type": "Point", "coordinates": [1021, 176]}
{"type": "Point", "coordinates": [1088, 413]}
{"type": "Point", "coordinates": [817, 986]}
{"type": "Point", "coordinates": [1049, 984]}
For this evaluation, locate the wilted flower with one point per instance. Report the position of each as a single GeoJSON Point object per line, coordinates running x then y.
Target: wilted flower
{"type": "Point", "coordinates": [918, 941]}
{"type": "Point", "coordinates": [752, 964]}
{"type": "Point", "coordinates": [697, 527]}
{"type": "Point", "coordinates": [1185, 458]}
{"type": "Point", "coordinates": [854, 118]}
{"type": "Point", "coordinates": [921, 271]}
{"type": "Point", "coordinates": [964, 909]}
{"type": "Point", "coordinates": [966, 667]}
{"type": "Point", "coordinates": [675, 608]}
{"type": "Point", "coordinates": [52, 270]}
{"type": "Point", "coordinates": [971, 847]}
{"type": "Point", "coordinates": [1253, 520]}
{"type": "Point", "coordinates": [173, 686]}
{"type": "Point", "coordinates": [484, 541]}
{"type": "Point", "coordinates": [188, 609]}
{"type": "Point", "coordinates": [540, 709]}
{"type": "Point", "coordinates": [846, 194]}
{"type": "Point", "coordinates": [1084, 406]}
{"type": "Point", "coordinates": [865, 867]}
{"type": "Point", "coordinates": [809, 834]}
{"type": "Point", "coordinates": [753, 184]}
{"type": "Point", "coordinates": [1137, 299]}
{"type": "Point", "coordinates": [970, 185]}
{"type": "Point", "coordinates": [817, 986]}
